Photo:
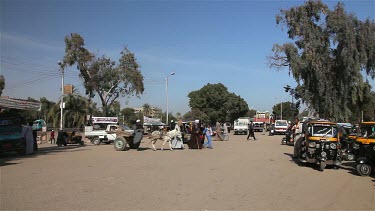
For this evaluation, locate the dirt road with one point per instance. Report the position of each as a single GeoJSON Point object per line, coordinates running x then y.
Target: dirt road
{"type": "Point", "coordinates": [237, 174]}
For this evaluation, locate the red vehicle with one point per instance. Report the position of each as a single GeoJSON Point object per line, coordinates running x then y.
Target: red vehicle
{"type": "Point", "coordinates": [263, 117]}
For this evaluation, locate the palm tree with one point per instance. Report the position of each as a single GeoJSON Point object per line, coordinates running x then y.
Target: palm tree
{"type": "Point", "coordinates": [75, 110]}
{"type": "Point", "coordinates": [53, 114]}
{"type": "Point", "coordinates": [147, 110]}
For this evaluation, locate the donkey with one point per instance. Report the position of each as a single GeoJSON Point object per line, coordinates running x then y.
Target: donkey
{"type": "Point", "coordinates": [166, 136]}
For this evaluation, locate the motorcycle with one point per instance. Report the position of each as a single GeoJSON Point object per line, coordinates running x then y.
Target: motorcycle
{"type": "Point", "coordinates": [288, 139]}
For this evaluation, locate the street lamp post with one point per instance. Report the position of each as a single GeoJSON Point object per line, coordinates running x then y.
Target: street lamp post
{"type": "Point", "coordinates": [166, 88]}
{"type": "Point", "coordinates": [62, 95]}
{"type": "Point", "coordinates": [292, 92]}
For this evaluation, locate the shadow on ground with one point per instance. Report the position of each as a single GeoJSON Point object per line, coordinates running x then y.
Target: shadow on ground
{"type": "Point", "coordinates": [11, 158]}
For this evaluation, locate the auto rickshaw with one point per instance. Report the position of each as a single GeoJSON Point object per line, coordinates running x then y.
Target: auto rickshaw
{"type": "Point", "coordinates": [65, 138]}
{"type": "Point", "coordinates": [320, 144]}
{"type": "Point", "coordinates": [365, 146]}
{"type": "Point", "coordinates": [347, 140]}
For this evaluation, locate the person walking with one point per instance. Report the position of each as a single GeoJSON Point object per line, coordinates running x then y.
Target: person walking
{"type": "Point", "coordinates": [52, 137]}
{"type": "Point", "coordinates": [218, 131]}
{"type": "Point", "coordinates": [208, 132]}
{"type": "Point", "coordinates": [195, 141]}
{"type": "Point", "coordinates": [251, 131]}
{"type": "Point", "coordinates": [297, 137]}
{"type": "Point", "coordinates": [264, 128]}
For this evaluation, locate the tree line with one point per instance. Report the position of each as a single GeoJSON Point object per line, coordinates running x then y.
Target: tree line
{"type": "Point", "coordinates": [330, 56]}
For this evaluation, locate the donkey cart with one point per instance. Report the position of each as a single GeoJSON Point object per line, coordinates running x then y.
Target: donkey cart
{"type": "Point", "coordinates": [123, 138]}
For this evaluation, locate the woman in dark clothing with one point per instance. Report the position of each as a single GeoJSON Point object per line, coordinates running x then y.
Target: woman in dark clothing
{"type": "Point", "coordinates": [195, 142]}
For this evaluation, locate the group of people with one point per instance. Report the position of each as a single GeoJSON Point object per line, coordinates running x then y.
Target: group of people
{"type": "Point", "coordinates": [200, 132]}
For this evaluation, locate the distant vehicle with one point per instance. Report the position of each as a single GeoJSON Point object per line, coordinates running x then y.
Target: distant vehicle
{"type": "Point", "coordinates": [39, 124]}
{"type": "Point", "coordinates": [258, 126]}
{"type": "Point", "coordinates": [264, 117]}
{"type": "Point", "coordinates": [240, 125]}
{"type": "Point", "coordinates": [281, 126]}
{"type": "Point", "coordinates": [106, 136]}
{"type": "Point", "coordinates": [71, 137]}
{"type": "Point", "coordinates": [11, 138]}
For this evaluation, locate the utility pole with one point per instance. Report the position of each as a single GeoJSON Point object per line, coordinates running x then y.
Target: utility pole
{"type": "Point", "coordinates": [62, 96]}
{"type": "Point", "coordinates": [167, 93]}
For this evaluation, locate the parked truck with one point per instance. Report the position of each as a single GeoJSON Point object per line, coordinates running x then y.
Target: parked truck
{"type": "Point", "coordinates": [102, 130]}
{"type": "Point", "coordinates": [106, 136]}
{"type": "Point", "coordinates": [261, 118]}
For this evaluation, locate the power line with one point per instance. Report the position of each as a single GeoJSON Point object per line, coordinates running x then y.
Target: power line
{"type": "Point", "coordinates": [30, 69]}
{"type": "Point", "coordinates": [25, 62]}
{"type": "Point", "coordinates": [30, 82]}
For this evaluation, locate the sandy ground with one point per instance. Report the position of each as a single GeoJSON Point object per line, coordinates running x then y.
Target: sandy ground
{"type": "Point", "coordinates": [236, 174]}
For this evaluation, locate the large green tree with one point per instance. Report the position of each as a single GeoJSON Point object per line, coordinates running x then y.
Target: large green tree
{"type": "Point", "coordinates": [2, 84]}
{"type": "Point", "coordinates": [217, 103]}
{"type": "Point", "coordinates": [288, 111]}
{"type": "Point", "coordinates": [251, 113]}
{"type": "Point", "coordinates": [45, 108]}
{"type": "Point", "coordinates": [369, 107]}
{"type": "Point", "coordinates": [129, 116]}
{"type": "Point", "coordinates": [102, 76]}
{"type": "Point", "coordinates": [196, 114]}
{"type": "Point", "coordinates": [330, 51]}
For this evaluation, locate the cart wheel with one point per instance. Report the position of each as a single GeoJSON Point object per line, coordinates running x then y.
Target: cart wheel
{"type": "Point", "coordinates": [96, 140]}
{"type": "Point", "coordinates": [81, 143]}
{"type": "Point", "coordinates": [322, 166]}
{"type": "Point", "coordinates": [364, 169]}
{"type": "Point", "coordinates": [120, 144]}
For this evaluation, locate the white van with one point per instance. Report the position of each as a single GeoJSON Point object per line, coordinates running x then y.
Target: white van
{"type": "Point", "coordinates": [240, 126]}
{"type": "Point", "coordinates": [281, 126]}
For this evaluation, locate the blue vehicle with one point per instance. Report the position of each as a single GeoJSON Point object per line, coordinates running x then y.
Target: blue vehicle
{"type": "Point", "coordinates": [39, 124]}
{"type": "Point", "coordinates": [11, 138]}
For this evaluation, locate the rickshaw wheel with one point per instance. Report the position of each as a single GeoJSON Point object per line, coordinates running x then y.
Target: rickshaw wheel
{"type": "Point", "coordinates": [119, 144]}
{"type": "Point", "coordinates": [322, 166]}
{"type": "Point", "coordinates": [364, 169]}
